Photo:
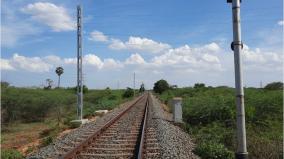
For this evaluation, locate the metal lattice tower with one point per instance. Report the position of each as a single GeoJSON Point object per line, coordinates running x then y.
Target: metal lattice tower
{"type": "Point", "coordinates": [79, 65]}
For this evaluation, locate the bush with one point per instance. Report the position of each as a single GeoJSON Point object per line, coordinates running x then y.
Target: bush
{"type": "Point", "coordinates": [161, 86]}
{"type": "Point", "coordinates": [128, 93]}
{"type": "Point", "coordinates": [199, 85]}
{"type": "Point", "coordinates": [274, 86]}
{"type": "Point", "coordinates": [213, 150]}
{"type": "Point", "coordinates": [46, 141]}
{"type": "Point", "coordinates": [210, 118]}
{"type": "Point", "coordinates": [11, 154]}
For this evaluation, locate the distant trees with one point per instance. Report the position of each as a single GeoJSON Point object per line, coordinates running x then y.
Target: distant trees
{"type": "Point", "coordinates": [128, 93]}
{"type": "Point", "coordinates": [49, 83]}
{"type": "Point", "coordinates": [85, 89]}
{"type": "Point", "coordinates": [274, 86]}
{"type": "Point", "coordinates": [199, 85]}
{"type": "Point", "coordinates": [59, 71]}
{"type": "Point", "coordinates": [161, 86]}
{"type": "Point", "coordinates": [142, 88]}
{"type": "Point", "coordinates": [4, 84]}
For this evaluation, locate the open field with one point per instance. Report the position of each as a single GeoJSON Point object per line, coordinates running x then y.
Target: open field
{"type": "Point", "coordinates": [210, 117]}
{"type": "Point", "coordinates": [36, 116]}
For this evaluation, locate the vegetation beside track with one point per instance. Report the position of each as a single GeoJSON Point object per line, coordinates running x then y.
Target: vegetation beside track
{"type": "Point", "coordinates": [210, 117]}
{"type": "Point", "coordinates": [32, 114]}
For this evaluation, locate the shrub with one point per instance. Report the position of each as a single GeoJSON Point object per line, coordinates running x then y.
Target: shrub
{"type": "Point", "coordinates": [128, 93]}
{"type": "Point", "coordinates": [46, 141]}
{"type": "Point", "coordinates": [199, 85]}
{"type": "Point", "coordinates": [274, 86]}
{"type": "Point", "coordinates": [213, 150]}
{"type": "Point", "coordinates": [11, 154]}
{"type": "Point", "coordinates": [161, 86]}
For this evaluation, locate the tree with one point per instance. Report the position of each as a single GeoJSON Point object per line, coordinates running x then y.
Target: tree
{"type": "Point", "coordinates": [161, 86]}
{"type": "Point", "coordinates": [142, 88]}
{"type": "Point", "coordinates": [128, 93]}
{"type": "Point", "coordinates": [49, 83]}
{"type": "Point", "coordinates": [274, 86]}
{"type": "Point", "coordinates": [59, 71]}
{"type": "Point", "coordinates": [199, 85]}
{"type": "Point", "coordinates": [85, 89]}
{"type": "Point", "coordinates": [4, 84]}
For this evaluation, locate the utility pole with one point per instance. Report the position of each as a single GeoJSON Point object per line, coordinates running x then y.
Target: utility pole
{"type": "Point", "coordinates": [134, 84]}
{"type": "Point", "coordinates": [237, 46]}
{"type": "Point", "coordinates": [79, 65]}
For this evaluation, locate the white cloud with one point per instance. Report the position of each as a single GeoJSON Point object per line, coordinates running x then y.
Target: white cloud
{"type": "Point", "coordinates": [91, 59]}
{"type": "Point", "coordinates": [212, 47]}
{"type": "Point", "coordinates": [31, 64]}
{"type": "Point", "coordinates": [280, 22]}
{"type": "Point", "coordinates": [117, 44]}
{"type": "Point", "coordinates": [112, 64]}
{"type": "Point", "coordinates": [185, 57]}
{"type": "Point", "coordinates": [51, 15]}
{"type": "Point", "coordinates": [135, 59]}
{"type": "Point", "coordinates": [98, 36]}
{"type": "Point", "coordinates": [139, 44]}
{"type": "Point", "coordinates": [258, 60]}
{"type": "Point", "coordinates": [5, 65]}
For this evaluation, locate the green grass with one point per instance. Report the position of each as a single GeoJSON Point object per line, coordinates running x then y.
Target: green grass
{"type": "Point", "coordinates": [210, 117]}
{"type": "Point", "coordinates": [23, 109]}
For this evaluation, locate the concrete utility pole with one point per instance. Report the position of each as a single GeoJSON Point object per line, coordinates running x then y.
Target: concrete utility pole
{"type": "Point", "coordinates": [79, 65]}
{"type": "Point", "coordinates": [134, 84]}
{"type": "Point", "coordinates": [237, 46]}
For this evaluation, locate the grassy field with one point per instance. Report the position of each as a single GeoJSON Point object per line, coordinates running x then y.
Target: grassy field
{"type": "Point", "coordinates": [210, 117]}
{"type": "Point", "coordinates": [37, 116]}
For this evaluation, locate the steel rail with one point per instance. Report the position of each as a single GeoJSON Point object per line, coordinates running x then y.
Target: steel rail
{"type": "Point", "coordinates": [76, 150]}
{"type": "Point", "coordinates": [143, 132]}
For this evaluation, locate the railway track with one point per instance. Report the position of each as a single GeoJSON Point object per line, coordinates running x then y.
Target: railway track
{"type": "Point", "coordinates": [124, 136]}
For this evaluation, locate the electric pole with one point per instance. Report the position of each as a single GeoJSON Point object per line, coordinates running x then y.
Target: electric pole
{"type": "Point", "coordinates": [134, 84]}
{"type": "Point", "coordinates": [79, 65]}
{"type": "Point", "coordinates": [237, 46]}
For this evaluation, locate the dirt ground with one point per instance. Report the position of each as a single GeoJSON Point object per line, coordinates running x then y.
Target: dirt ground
{"type": "Point", "coordinates": [25, 137]}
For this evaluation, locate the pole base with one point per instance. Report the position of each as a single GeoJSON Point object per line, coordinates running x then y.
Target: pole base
{"type": "Point", "coordinates": [240, 155]}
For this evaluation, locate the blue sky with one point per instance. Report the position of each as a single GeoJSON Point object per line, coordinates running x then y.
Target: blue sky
{"type": "Point", "coordinates": [181, 41]}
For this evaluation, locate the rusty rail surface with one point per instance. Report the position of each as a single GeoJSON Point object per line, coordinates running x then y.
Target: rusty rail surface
{"type": "Point", "coordinates": [142, 135]}
{"type": "Point", "coordinates": [84, 144]}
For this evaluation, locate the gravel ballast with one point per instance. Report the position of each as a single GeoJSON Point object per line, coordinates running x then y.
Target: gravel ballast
{"type": "Point", "coordinates": [53, 150]}
{"type": "Point", "coordinates": [173, 141]}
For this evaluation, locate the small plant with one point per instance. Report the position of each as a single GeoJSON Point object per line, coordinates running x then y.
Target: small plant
{"type": "Point", "coordinates": [11, 154]}
{"type": "Point", "coordinates": [46, 141]}
{"type": "Point", "coordinates": [128, 93]}
{"type": "Point", "coordinates": [213, 150]}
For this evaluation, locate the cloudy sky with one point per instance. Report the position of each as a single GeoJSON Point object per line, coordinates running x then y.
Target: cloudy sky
{"type": "Point", "coordinates": [182, 41]}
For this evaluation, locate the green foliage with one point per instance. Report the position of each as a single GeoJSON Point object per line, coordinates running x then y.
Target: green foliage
{"type": "Point", "coordinates": [11, 154]}
{"type": "Point", "coordinates": [30, 105]}
{"type": "Point", "coordinates": [274, 86]}
{"type": "Point", "coordinates": [46, 141]}
{"type": "Point", "coordinates": [161, 86]}
{"type": "Point", "coordinates": [4, 84]}
{"type": "Point", "coordinates": [212, 150]}
{"type": "Point", "coordinates": [210, 117]}
{"type": "Point", "coordinates": [199, 85]}
{"type": "Point", "coordinates": [142, 88]}
{"type": "Point", "coordinates": [128, 93]}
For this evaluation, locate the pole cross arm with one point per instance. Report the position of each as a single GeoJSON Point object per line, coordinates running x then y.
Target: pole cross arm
{"type": "Point", "coordinates": [230, 1]}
